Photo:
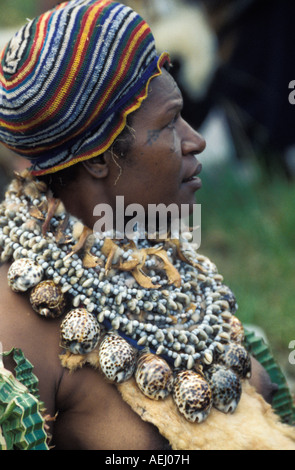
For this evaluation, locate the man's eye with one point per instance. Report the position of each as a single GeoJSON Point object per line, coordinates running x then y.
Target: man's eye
{"type": "Point", "coordinates": [173, 122]}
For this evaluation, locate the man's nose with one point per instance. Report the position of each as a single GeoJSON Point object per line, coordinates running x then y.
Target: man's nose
{"type": "Point", "coordinates": [193, 142]}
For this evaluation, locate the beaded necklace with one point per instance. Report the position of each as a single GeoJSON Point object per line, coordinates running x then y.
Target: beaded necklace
{"type": "Point", "coordinates": [153, 309]}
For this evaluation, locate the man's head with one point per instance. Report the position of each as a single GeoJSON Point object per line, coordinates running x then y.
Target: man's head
{"type": "Point", "coordinates": [160, 166]}
{"type": "Point", "coordinates": [70, 78]}
{"type": "Point", "coordinates": [153, 162]}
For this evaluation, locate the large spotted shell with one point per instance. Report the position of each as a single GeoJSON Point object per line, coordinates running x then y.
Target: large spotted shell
{"type": "Point", "coordinates": [117, 358]}
{"type": "Point", "coordinates": [225, 386]}
{"type": "Point", "coordinates": [47, 299]}
{"type": "Point", "coordinates": [24, 274]}
{"type": "Point", "coordinates": [192, 395]}
{"type": "Point", "coordinates": [80, 331]}
{"type": "Point", "coordinates": [237, 358]}
{"type": "Point", "coordinates": [153, 376]}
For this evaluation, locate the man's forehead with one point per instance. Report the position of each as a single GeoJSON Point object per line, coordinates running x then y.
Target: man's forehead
{"type": "Point", "coordinates": [168, 82]}
{"type": "Point", "coordinates": [164, 89]}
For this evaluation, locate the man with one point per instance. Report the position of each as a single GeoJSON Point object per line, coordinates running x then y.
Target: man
{"type": "Point", "coordinates": [77, 151]}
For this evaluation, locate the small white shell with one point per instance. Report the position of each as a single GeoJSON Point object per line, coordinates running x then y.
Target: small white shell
{"type": "Point", "coordinates": [153, 376]}
{"type": "Point", "coordinates": [24, 274]}
{"type": "Point", "coordinates": [192, 395]}
{"type": "Point", "coordinates": [117, 358]}
{"type": "Point", "coordinates": [80, 331]}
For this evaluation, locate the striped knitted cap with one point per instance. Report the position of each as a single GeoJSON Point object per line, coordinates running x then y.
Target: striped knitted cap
{"type": "Point", "coordinates": [69, 78]}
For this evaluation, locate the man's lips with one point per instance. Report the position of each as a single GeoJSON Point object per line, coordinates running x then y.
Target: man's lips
{"type": "Point", "coordinates": [194, 174]}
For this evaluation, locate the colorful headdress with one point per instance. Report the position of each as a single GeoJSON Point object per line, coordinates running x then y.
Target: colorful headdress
{"type": "Point", "coordinates": [69, 78]}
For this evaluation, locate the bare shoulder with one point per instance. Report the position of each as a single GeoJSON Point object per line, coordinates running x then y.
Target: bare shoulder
{"type": "Point", "coordinates": [95, 417]}
{"type": "Point", "coordinates": [38, 338]}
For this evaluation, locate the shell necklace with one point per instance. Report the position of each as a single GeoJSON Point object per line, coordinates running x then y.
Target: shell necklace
{"type": "Point", "coordinates": [156, 310]}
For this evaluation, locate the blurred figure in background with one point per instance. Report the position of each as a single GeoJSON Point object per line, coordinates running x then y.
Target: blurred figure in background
{"type": "Point", "coordinates": [257, 62]}
{"type": "Point", "coordinates": [44, 5]}
{"type": "Point", "coordinates": [9, 161]}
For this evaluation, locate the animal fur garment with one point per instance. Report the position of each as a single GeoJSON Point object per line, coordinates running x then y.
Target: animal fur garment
{"type": "Point", "coordinates": [253, 426]}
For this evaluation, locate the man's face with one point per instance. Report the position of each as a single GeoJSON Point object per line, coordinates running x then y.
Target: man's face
{"type": "Point", "coordinates": [161, 166]}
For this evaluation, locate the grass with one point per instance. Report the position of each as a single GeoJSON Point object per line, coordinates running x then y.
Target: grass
{"type": "Point", "coordinates": [248, 231]}
{"type": "Point", "coordinates": [16, 12]}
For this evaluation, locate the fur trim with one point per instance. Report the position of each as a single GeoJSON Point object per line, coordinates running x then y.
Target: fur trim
{"type": "Point", "coordinates": [253, 426]}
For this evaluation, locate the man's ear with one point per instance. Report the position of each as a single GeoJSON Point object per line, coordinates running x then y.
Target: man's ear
{"type": "Point", "coordinates": [97, 167]}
